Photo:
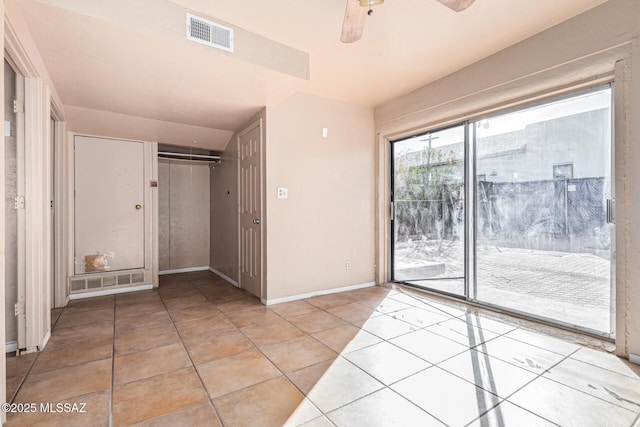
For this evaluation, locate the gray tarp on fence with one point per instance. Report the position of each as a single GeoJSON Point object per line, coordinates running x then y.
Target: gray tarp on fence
{"type": "Point", "coordinates": [561, 215]}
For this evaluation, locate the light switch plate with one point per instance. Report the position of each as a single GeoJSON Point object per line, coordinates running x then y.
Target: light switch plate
{"type": "Point", "coordinates": [283, 193]}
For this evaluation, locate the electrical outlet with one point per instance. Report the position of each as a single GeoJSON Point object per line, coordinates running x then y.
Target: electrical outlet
{"type": "Point", "coordinates": [283, 193]}
{"type": "Point", "coordinates": [348, 264]}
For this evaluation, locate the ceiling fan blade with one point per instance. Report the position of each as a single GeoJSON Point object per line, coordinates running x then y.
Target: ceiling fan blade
{"type": "Point", "coordinates": [353, 24]}
{"type": "Point", "coordinates": [457, 5]}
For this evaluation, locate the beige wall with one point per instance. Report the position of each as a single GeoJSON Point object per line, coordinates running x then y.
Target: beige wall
{"type": "Point", "coordinates": [183, 197]}
{"type": "Point", "coordinates": [599, 43]}
{"type": "Point", "coordinates": [95, 122]}
{"type": "Point", "coordinates": [329, 215]}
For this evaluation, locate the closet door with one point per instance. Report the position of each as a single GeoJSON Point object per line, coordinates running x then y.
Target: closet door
{"type": "Point", "coordinates": [249, 147]}
{"type": "Point", "coordinates": [109, 210]}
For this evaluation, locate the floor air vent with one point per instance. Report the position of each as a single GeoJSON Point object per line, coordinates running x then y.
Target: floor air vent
{"type": "Point", "coordinates": [107, 280]}
{"type": "Point", "coordinates": [206, 32]}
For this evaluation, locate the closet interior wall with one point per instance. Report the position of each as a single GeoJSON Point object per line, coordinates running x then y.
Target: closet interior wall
{"type": "Point", "coordinates": [184, 220]}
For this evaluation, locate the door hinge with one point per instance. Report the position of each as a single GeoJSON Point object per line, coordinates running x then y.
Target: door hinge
{"type": "Point", "coordinates": [19, 202]}
{"type": "Point", "coordinates": [18, 106]}
{"type": "Point", "coordinates": [18, 309]}
{"type": "Point", "coordinates": [392, 211]}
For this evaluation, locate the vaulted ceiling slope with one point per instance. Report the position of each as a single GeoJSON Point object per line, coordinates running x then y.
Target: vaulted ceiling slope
{"type": "Point", "coordinates": [131, 57]}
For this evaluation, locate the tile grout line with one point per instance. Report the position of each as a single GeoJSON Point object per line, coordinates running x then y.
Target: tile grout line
{"type": "Point", "coordinates": [360, 329]}
{"type": "Point", "coordinates": [113, 363]}
{"type": "Point", "coordinates": [38, 354]}
{"type": "Point", "coordinates": [574, 388]}
{"type": "Point", "coordinates": [244, 351]}
{"type": "Point", "coordinates": [33, 362]}
{"type": "Point", "coordinates": [565, 357]}
{"type": "Point", "coordinates": [504, 334]}
{"type": "Point", "coordinates": [283, 374]}
{"type": "Point", "coordinates": [506, 399]}
{"type": "Point", "coordinates": [257, 348]}
{"type": "Point", "coordinates": [384, 386]}
{"type": "Point", "coordinates": [470, 348]}
{"type": "Point", "coordinates": [359, 398]}
{"type": "Point", "coordinates": [340, 355]}
{"type": "Point", "coordinates": [431, 365]}
{"type": "Point", "coordinates": [193, 365]}
{"type": "Point", "coordinates": [181, 342]}
{"type": "Point", "coordinates": [26, 374]}
{"type": "Point", "coordinates": [315, 339]}
{"type": "Point", "coordinates": [601, 367]}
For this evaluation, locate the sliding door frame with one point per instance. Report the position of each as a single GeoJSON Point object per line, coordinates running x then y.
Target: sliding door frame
{"type": "Point", "coordinates": [467, 218]}
{"type": "Point", "coordinates": [571, 93]}
{"type": "Point", "coordinates": [470, 206]}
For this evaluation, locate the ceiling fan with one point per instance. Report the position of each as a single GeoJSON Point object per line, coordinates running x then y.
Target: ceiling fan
{"type": "Point", "coordinates": [357, 11]}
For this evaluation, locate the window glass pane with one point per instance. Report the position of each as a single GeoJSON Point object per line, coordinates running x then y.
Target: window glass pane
{"type": "Point", "coordinates": [429, 210]}
{"type": "Point", "coordinates": [543, 245]}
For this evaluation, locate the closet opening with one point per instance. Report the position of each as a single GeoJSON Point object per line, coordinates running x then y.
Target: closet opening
{"type": "Point", "coordinates": [184, 220]}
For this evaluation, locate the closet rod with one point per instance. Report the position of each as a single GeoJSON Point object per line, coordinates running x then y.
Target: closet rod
{"type": "Point", "coordinates": [188, 156]}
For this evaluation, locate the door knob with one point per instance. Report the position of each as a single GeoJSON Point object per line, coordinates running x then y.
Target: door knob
{"type": "Point", "coordinates": [138, 207]}
{"type": "Point", "coordinates": [256, 221]}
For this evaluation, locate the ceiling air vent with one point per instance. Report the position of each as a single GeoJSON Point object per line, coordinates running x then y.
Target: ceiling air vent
{"type": "Point", "coordinates": [206, 32]}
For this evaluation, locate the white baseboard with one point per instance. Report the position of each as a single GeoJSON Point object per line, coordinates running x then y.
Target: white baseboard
{"type": "Point", "coordinates": [317, 293]}
{"type": "Point", "coordinates": [46, 339]}
{"type": "Point", "coordinates": [182, 270]}
{"type": "Point", "coordinates": [11, 347]}
{"type": "Point", "coordinates": [224, 276]}
{"type": "Point", "coordinates": [110, 292]}
{"type": "Point", "coordinates": [634, 358]}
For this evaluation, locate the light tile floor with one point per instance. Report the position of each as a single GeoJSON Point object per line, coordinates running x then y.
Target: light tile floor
{"type": "Point", "coordinates": [200, 352]}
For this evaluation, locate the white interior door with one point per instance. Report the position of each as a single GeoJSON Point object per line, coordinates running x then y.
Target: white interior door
{"type": "Point", "coordinates": [109, 209]}
{"type": "Point", "coordinates": [249, 149]}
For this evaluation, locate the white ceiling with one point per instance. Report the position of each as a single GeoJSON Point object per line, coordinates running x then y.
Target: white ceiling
{"type": "Point", "coordinates": [101, 58]}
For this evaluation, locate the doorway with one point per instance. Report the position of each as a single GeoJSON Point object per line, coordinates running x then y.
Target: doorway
{"type": "Point", "coordinates": [184, 218]}
{"type": "Point", "coordinates": [15, 313]}
{"type": "Point", "coordinates": [537, 236]}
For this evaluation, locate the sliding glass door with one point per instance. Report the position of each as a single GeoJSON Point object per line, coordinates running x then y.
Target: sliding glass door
{"type": "Point", "coordinates": [539, 237]}
{"type": "Point", "coordinates": [543, 197]}
{"type": "Point", "coordinates": [429, 209]}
